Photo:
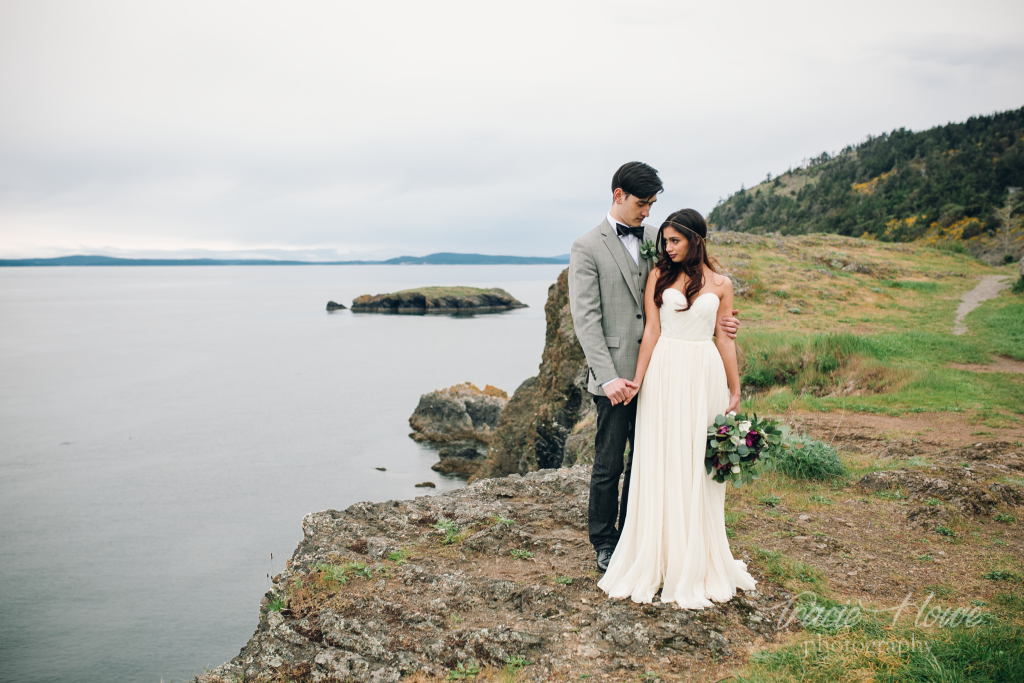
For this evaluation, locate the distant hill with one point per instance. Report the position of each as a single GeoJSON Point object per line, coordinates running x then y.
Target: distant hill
{"type": "Point", "coordinates": [474, 259]}
{"type": "Point", "coordinates": [950, 184]}
{"type": "Point", "coordinates": [432, 259]}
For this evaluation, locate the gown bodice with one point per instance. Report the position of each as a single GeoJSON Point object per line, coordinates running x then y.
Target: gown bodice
{"type": "Point", "coordinates": [696, 323]}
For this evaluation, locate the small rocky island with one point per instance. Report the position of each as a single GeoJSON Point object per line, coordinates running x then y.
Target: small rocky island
{"type": "Point", "coordinates": [433, 300]}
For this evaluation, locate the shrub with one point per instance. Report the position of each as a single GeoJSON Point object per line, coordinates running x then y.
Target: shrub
{"type": "Point", "coordinates": [1018, 286]}
{"type": "Point", "coordinates": [808, 458]}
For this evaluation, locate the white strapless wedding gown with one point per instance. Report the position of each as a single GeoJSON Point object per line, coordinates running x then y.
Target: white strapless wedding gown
{"type": "Point", "coordinates": [674, 534]}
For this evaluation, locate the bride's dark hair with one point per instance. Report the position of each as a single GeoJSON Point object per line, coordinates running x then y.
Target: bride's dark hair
{"type": "Point", "coordinates": [690, 225]}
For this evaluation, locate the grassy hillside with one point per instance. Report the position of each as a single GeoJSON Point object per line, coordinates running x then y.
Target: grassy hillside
{"type": "Point", "coordinates": [851, 341]}
{"type": "Point", "coordinates": [950, 184]}
{"type": "Point", "coordinates": [834, 323]}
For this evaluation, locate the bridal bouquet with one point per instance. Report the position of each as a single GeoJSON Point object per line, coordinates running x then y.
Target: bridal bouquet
{"type": "Point", "coordinates": [740, 449]}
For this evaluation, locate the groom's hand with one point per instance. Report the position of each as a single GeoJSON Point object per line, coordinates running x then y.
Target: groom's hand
{"type": "Point", "coordinates": [730, 325]}
{"type": "Point", "coordinates": [619, 391]}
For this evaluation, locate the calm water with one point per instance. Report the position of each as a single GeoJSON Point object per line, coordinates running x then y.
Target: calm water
{"type": "Point", "coordinates": [164, 430]}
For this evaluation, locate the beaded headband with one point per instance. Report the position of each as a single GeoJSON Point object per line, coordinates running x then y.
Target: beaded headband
{"type": "Point", "coordinates": [677, 226]}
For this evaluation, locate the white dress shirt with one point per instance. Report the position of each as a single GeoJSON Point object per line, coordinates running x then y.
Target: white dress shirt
{"type": "Point", "coordinates": [632, 245]}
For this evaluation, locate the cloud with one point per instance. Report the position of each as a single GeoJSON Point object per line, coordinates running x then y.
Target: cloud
{"type": "Point", "coordinates": [458, 126]}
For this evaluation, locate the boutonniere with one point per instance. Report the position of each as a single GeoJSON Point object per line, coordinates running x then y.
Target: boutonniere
{"type": "Point", "coordinates": [648, 249]}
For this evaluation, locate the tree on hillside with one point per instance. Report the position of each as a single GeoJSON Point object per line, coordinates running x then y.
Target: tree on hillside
{"type": "Point", "coordinates": [900, 186]}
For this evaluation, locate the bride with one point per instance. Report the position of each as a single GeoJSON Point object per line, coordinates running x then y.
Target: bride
{"type": "Point", "coordinates": [674, 534]}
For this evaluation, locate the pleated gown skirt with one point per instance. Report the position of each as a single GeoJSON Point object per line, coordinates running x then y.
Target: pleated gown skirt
{"type": "Point", "coordinates": [674, 536]}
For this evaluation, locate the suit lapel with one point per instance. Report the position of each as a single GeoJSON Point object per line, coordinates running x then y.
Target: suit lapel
{"type": "Point", "coordinates": [622, 260]}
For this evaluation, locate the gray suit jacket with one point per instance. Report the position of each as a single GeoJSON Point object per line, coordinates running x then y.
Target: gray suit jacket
{"type": "Point", "coordinates": [606, 298]}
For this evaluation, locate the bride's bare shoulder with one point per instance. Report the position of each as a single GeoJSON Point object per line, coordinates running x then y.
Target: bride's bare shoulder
{"type": "Point", "coordinates": [718, 279]}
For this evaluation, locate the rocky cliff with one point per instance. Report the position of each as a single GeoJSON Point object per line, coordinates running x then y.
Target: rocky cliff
{"type": "Point", "coordinates": [550, 410]}
{"type": "Point", "coordinates": [425, 300]}
{"type": "Point", "coordinates": [495, 575]}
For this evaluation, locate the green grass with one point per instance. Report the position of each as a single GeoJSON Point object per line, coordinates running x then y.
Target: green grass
{"type": "Point", "coordinates": [912, 284]}
{"type": "Point", "coordinates": [793, 574]}
{"type": "Point", "coordinates": [808, 458]}
{"type": "Point", "coordinates": [452, 533]}
{"type": "Point", "coordinates": [341, 573]}
{"type": "Point", "coordinates": [277, 603]}
{"type": "Point", "coordinates": [399, 557]}
{"type": "Point", "coordinates": [983, 646]}
{"type": "Point", "coordinates": [444, 291]}
{"type": "Point", "coordinates": [464, 671]}
{"type": "Point", "coordinates": [1000, 322]}
{"type": "Point", "coordinates": [890, 356]}
{"type": "Point", "coordinates": [520, 554]}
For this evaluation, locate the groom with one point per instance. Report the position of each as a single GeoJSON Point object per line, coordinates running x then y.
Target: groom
{"type": "Point", "coordinates": [607, 278]}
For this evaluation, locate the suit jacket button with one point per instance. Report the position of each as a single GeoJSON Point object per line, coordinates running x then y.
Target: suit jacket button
{"type": "Point", "coordinates": [639, 341]}
{"type": "Point", "coordinates": [638, 316]}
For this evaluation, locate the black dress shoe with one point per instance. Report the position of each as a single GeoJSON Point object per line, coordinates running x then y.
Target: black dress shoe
{"type": "Point", "coordinates": [604, 556]}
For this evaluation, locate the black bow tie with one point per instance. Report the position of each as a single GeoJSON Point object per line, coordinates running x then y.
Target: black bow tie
{"type": "Point", "coordinates": [637, 232]}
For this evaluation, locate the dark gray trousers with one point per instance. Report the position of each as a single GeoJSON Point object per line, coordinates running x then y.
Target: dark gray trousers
{"type": "Point", "coordinates": [615, 426]}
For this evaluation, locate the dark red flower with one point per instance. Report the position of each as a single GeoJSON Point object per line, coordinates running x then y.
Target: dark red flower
{"type": "Point", "coordinates": [752, 439]}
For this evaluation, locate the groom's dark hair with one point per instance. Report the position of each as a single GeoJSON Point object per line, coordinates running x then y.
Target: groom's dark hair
{"type": "Point", "coordinates": [638, 179]}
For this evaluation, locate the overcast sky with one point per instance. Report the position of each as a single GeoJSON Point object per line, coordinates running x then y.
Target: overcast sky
{"type": "Point", "coordinates": [382, 128]}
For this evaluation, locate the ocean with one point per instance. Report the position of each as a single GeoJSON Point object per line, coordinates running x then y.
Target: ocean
{"type": "Point", "coordinates": [163, 430]}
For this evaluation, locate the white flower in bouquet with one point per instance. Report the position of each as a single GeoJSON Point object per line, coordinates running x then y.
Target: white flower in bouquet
{"type": "Point", "coordinates": [744, 427]}
{"type": "Point", "coordinates": [735, 469]}
{"type": "Point", "coordinates": [735, 440]}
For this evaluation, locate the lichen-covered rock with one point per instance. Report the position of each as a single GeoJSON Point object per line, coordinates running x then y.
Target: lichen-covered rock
{"type": "Point", "coordinates": [579, 446]}
{"type": "Point", "coordinates": [959, 487]}
{"type": "Point", "coordinates": [448, 300]}
{"type": "Point", "coordinates": [458, 414]}
{"type": "Point", "coordinates": [461, 418]}
{"type": "Point", "coordinates": [462, 461]}
{"type": "Point", "coordinates": [497, 570]}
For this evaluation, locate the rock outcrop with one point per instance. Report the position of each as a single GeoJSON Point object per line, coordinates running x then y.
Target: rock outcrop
{"type": "Point", "coordinates": [544, 412]}
{"type": "Point", "coordinates": [432, 300]}
{"type": "Point", "coordinates": [463, 420]}
{"type": "Point", "coordinates": [497, 574]}
{"type": "Point", "coordinates": [335, 306]}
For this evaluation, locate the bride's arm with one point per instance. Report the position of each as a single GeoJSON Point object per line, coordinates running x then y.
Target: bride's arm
{"type": "Point", "coordinates": [727, 348]}
{"type": "Point", "coordinates": [652, 329]}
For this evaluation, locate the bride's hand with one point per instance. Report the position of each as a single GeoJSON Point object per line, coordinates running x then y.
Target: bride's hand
{"type": "Point", "coordinates": [734, 403]}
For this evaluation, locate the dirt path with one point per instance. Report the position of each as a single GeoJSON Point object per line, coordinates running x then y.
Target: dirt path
{"type": "Point", "coordinates": [989, 287]}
